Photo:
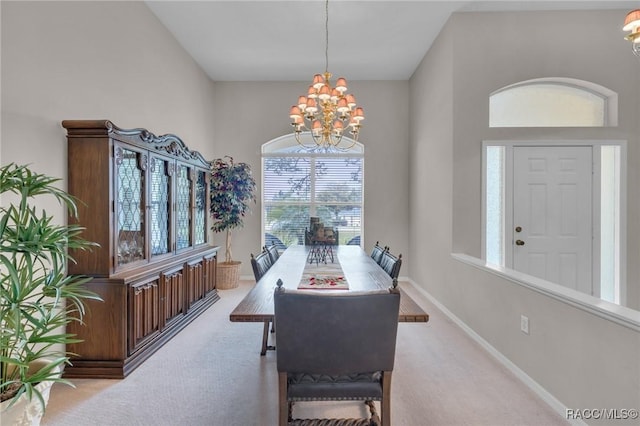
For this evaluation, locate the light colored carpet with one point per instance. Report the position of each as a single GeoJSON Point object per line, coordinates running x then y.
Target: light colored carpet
{"type": "Point", "coordinates": [212, 374]}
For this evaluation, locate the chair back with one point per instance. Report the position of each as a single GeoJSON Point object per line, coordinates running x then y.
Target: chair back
{"type": "Point", "coordinates": [334, 334]}
{"type": "Point", "coordinates": [376, 253]}
{"type": "Point", "coordinates": [272, 240]}
{"type": "Point", "coordinates": [274, 254]}
{"type": "Point", "coordinates": [391, 264]}
{"type": "Point", "coordinates": [260, 264]}
{"type": "Point", "coordinates": [355, 241]}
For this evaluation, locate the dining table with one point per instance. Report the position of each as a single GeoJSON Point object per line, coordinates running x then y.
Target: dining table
{"type": "Point", "coordinates": [351, 270]}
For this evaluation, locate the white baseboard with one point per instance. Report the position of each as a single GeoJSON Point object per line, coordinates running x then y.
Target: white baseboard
{"type": "Point", "coordinates": [553, 402]}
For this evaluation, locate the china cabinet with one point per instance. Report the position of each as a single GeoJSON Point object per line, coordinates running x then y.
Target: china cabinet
{"type": "Point", "coordinates": [143, 198]}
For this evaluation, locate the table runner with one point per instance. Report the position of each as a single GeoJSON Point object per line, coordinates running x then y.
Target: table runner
{"type": "Point", "coordinates": [323, 276]}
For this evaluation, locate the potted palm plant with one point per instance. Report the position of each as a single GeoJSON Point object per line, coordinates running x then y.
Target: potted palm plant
{"type": "Point", "coordinates": [37, 298]}
{"type": "Point", "coordinates": [232, 188]}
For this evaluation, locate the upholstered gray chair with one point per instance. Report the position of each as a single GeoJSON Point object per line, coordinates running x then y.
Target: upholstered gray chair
{"type": "Point", "coordinates": [335, 347]}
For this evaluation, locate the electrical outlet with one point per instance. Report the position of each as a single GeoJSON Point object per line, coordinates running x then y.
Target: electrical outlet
{"type": "Point", "coordinates": [524, 324]}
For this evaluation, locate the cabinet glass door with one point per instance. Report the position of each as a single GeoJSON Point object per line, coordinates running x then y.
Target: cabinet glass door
{"type": "Point", "coordinates": [160, 206]}
{"type": "Point", "coordinates": [130, 182]}
{"type": "Point", "coordinates": [200, 213]}
{"type": "Point", "coordinates": [183, 207]}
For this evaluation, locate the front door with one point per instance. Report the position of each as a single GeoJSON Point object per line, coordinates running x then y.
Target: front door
{"type": "Point", "coordinates": [552, 214]}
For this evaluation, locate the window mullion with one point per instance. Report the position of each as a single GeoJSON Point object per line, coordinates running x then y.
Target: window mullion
{"type": "Point", "coordinates": [312, 181]}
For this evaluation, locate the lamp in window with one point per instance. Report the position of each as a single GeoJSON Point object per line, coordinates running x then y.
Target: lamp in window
{"type": "Point", "coordinates": [632, 24]}
{"type": "Point", "coordinates": [327, 112]}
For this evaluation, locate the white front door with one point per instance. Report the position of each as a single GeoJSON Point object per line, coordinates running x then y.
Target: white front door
{"type": "Point", "coordinates": [552, 214]}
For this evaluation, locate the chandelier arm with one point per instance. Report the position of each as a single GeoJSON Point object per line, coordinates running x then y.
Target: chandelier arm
{"type": "Point", "coordinates": [299, 139]}
{"type": "Point", "coordinates": [350, 146]}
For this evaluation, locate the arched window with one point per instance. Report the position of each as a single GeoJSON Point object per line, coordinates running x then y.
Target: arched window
{"type": "Point", "coordinates": [553, 102]}
{"type": "Point", "coordinates": [298, 184]}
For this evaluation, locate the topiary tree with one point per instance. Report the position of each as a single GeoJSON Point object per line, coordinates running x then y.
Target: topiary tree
{"type": "Point", "coordinates": [232, 189]}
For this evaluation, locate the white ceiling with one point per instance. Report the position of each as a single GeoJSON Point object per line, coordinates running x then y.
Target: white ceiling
{"type": "Point", "coordinates": [268, 40]}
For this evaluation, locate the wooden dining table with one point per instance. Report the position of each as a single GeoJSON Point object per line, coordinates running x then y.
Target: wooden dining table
{"type": "Point", "coordinates": [360, 271]}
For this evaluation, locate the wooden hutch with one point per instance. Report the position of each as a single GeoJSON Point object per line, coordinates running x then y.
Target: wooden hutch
{"type": "Point", "coordinates": [145, 200]}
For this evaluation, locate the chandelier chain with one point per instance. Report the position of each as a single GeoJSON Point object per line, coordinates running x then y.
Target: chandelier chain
{"type": "Point", "coordinates": [326, 35]}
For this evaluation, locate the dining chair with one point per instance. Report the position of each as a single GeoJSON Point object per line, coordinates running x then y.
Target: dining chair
{"type": "Point", "coordinates": [355, 241]}
{"type": "Point", "coordinates": [347, 355]}
{"type": "Point", "coordinates": [274, 254]}
{"type": "Point", "coordinates": [270, 239]}
{"type": "Point", "coordinates": [376, 253]}
{"type": "Point", "coordinates": [391, 264]}
{"type": "Point", "coordinates": [260, 264]}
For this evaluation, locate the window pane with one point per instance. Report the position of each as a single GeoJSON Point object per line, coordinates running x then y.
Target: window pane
{"type": "Point", "coordinates": [495, 205]}
{"type": "Point", "coordinates": [338, 180]}
{"type": "Point", "coordinates": [343, 218]}
{"type": "Point", "coordinates": [610, 224]}
{"type": "Point", "coordinates": [286, 222]}
{"type": "Point", "coordinates": [286, 179]}
{"type": "Point", "coordinates": [546, 105]}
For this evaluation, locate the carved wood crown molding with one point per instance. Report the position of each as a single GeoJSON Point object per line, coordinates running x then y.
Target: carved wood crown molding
{"type": "Point", "coordinates": [169, 143]}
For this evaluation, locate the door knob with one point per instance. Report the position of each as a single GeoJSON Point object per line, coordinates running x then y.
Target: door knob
{"type": "Point", "coordinates": [519, 242]}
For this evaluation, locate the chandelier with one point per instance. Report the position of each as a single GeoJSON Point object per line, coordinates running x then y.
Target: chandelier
{"type": "Point", "coordinates": [632, 23]}
{"type": "Point", "coordinates": [326, 112]}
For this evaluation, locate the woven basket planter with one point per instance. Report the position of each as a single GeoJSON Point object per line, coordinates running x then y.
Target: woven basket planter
{"type": "Point", "coordinates": [227, 275]}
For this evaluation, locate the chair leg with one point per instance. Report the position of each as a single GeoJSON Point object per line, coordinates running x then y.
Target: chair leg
{"type": "Point", "coordinates": [265, 339]}
{"type": "Point", "coordinates": [385, 403]}
{"type": "Point", "coordinates": [284, 407]}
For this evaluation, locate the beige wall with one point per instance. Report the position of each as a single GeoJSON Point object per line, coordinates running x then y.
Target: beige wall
{"type": "Point", "coordinates": [249, 114]}
{"type": "Point", "coordinates": [511, 53]}
{"type": "Point", "coordinates": [94, 60]}
{"type": "Point", "coordinates": [431, 164]}
{"type": "Point", "coordinates": [583, 360]}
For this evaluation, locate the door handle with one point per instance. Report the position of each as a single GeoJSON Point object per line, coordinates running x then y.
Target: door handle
{"type": "Point", "coordinates": [519, 242]}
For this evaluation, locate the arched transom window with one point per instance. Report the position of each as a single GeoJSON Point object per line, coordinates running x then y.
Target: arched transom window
{"type": "Point", "coordinates": [553, 102]}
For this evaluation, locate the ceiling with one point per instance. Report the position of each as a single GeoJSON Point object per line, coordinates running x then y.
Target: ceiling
{"type": "Point", "coordinates": [268, 40]}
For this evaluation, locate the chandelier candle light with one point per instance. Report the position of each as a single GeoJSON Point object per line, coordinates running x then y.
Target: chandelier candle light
{"type": "Point", "coordinates": [327, 112]}
{"type": "Point", "coordinates": [632, 23]}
